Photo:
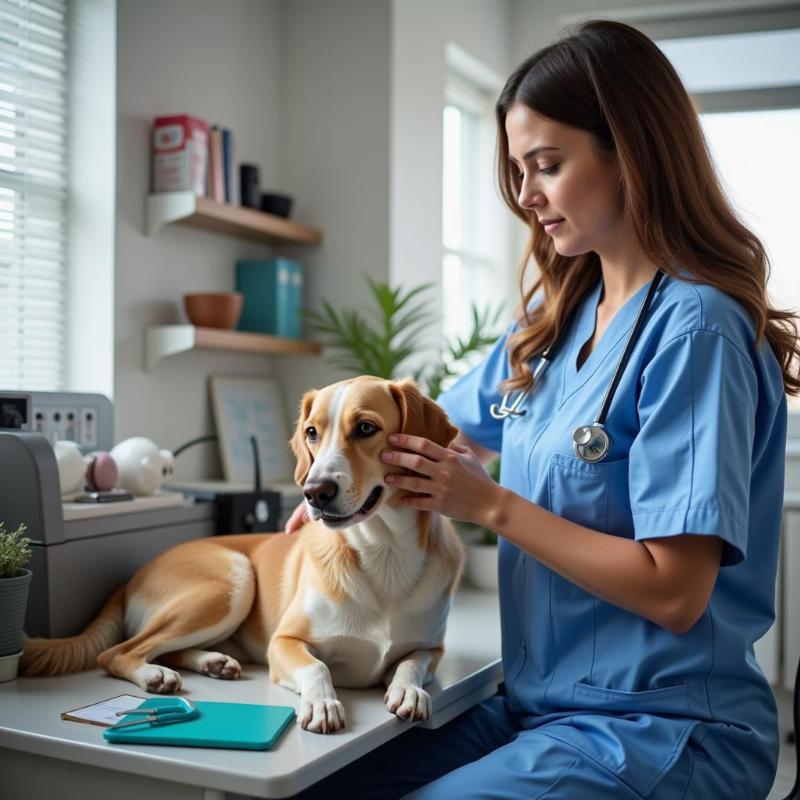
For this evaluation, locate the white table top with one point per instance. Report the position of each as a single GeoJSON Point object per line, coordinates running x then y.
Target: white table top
{"type": "Point", "coordinates": [469, 671]}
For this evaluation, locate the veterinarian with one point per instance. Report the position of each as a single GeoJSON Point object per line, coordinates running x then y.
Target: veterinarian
{"type": "Point", "coordinates": [638, 545]}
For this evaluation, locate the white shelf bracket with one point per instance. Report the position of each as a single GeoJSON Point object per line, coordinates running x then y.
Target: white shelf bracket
{"type": "Point", "coordinates": [168, 207]}
{"type": "Point", "coordinates": [162, 341]}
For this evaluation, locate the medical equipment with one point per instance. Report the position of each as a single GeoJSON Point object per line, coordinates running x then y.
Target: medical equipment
{"type": "Point", "coordinates": [590, 443]}
{"type": "Point", "coordinates": [176, 709]}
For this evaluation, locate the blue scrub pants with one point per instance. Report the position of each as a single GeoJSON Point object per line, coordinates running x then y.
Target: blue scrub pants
{"type": "Point", "coordinates": [485, 753]}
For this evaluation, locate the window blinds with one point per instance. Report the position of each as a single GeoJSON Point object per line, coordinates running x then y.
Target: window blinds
{"type": "Point", "coordinates": [33, 194]}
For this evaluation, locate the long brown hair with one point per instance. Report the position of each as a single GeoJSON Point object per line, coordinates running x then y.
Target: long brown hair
{"type": "Point", "coordinates": [609, 79]}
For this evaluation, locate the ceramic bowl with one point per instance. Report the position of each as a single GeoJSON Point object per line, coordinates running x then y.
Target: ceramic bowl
{"type": "Point", "coordinates": [213, 309]}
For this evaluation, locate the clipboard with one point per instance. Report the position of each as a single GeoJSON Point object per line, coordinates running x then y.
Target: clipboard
{"type": "Point", "coordinates": [234, 726]}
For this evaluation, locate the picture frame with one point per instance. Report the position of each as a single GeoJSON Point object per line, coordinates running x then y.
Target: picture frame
{"type": "Point", "coordinates": [245, 406]}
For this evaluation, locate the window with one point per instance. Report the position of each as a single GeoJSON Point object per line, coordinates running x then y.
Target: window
{"type": "Point", "coordinates": [33, 194]}
{"type": "Point", "coordinates": [475, 223]}
{"type": "Point", "coordinates": [747, 87]}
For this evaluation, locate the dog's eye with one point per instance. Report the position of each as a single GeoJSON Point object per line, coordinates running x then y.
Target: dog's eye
{"type": "Point", "coordinates": [364, 429]}
{"type": "Point", "coordinates": [311, 433]}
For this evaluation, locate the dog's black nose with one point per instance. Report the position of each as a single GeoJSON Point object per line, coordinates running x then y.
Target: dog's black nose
{"type": "Point", "coordinates": [320, 493]}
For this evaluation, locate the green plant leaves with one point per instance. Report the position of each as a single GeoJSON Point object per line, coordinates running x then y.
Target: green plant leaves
{"type": "Point", "coordinates": [394, 329]}
{"type": "Point", "coordinates": [15, 551]}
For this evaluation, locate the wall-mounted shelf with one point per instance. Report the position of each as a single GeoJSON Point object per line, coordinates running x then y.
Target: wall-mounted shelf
{"type": "Point", "coordinates": [187, 208]}
{"type": "Point", "coordinates": [168, 340]}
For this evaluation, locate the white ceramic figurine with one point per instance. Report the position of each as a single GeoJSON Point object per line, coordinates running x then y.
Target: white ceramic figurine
{"type": "Point", "coordinates": [142, 466]}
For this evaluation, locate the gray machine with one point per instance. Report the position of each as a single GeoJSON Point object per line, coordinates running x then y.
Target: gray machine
{"type": "Point", "coordinates": [80, 554]}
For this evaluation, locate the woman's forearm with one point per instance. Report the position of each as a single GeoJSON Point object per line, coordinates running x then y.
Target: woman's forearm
{"type": "Point", "coordinates": [616, 569]}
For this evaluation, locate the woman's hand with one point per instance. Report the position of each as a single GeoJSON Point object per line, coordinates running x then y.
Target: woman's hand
{"type": "Point", "coordinates": [449, 480]}
{"type": "Point", "coordinates": [298, 519]}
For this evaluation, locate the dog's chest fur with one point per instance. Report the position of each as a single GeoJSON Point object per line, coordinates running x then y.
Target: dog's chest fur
{"type": "Point", "coordinates": [396, 602]}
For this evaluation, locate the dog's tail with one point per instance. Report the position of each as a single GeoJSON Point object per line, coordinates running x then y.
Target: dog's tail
{"type": "Point", "coordinates": [76, 653]}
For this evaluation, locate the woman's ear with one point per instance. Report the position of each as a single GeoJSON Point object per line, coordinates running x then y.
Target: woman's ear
{"type": "Point", "coordinates": [421, 416]}
{"type": "Point", "coordinates": [298, 441]}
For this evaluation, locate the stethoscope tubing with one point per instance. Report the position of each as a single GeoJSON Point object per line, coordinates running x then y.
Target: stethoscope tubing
{"type": "Point", "coordinates": [597, 428]}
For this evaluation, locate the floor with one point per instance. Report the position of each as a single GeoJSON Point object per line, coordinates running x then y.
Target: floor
{"type": "Point", "coordinates": [786, 764]}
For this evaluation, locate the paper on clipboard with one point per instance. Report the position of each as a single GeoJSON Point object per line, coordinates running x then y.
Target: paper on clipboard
{"type": "Point", "coordinates": [104, 713]}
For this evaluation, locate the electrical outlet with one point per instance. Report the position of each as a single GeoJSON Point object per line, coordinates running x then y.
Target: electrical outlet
{"type": "Point", "coordinates": [88, 428]}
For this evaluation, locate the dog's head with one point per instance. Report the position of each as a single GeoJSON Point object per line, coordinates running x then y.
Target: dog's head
{"type": "Point", "coordinates": [341, 431]}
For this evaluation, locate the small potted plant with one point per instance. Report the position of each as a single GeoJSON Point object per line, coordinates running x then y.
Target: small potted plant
{"type": "Point", "coordinates": [15, 580]}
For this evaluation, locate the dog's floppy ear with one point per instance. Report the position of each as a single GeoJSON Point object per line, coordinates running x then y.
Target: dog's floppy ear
{"type": "Point", "coordinates": [419, 415]}
{"type": "Point", "coordinates": [298, 441]}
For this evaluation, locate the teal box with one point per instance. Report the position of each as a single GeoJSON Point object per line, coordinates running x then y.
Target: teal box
{"type": "Point", "coordinates": [272, 301]}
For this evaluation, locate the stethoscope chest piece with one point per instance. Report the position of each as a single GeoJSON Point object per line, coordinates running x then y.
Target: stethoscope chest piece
{"type": "Point", "coordinates": [590, 443]}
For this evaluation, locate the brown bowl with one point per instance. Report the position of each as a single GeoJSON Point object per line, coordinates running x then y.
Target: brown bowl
{"type": "Point", "coordinates": [213, 309]}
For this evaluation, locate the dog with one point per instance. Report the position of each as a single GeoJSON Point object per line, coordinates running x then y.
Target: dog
{"type": "Point", "coordinates": [359, 596]}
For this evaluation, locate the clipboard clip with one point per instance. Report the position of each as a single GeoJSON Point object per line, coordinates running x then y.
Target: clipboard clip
{"type": "Point", "coordinates": [176, 709]}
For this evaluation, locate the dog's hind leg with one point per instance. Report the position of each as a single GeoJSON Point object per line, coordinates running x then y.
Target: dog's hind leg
{"type": "Point", "coordinates": [191, 618]}
{"type": "Point", "coordinates": [213, 664]}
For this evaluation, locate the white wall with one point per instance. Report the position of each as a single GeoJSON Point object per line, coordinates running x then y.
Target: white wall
{"type": "Point", "coordinates": [335, 124]}
{"type": "Point", "coordinates": [421, 32]}
{"type": "Point", "coordinates": [309, 89]}
{"type": "Point", "coordinates": [220, 61]}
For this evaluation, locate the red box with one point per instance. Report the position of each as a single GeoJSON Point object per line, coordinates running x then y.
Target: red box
{"type": "Point", "coordinates": [180, 154]}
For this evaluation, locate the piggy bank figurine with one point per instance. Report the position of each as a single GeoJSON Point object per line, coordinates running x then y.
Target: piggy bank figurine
{"type": "Point", "coordinates": [142, 466]}
{"type": "Point", "coordinates": [70, 466]}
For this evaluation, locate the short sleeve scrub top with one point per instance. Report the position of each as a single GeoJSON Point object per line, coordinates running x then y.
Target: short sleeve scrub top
{"type": "Point", "coordinates": [698, 430]}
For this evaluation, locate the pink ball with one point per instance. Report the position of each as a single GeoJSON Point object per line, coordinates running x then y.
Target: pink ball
{"type": "Point", "coordinates": [101, 472]}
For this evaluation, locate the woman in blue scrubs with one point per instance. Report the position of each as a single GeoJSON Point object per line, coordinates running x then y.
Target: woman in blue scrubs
{"type": "Point", "coordinates": [631, 589]}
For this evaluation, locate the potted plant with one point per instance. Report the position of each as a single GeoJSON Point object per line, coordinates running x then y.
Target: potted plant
{"type": "Point", "coordinates": [15, 551]}
{"type": "Point", "coordinates": [381, 341]}
{"type": "Point", "coordinates": [480, 569]}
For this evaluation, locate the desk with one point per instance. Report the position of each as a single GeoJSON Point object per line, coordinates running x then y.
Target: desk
{"type": "Point", "coordinates": [42, 755]}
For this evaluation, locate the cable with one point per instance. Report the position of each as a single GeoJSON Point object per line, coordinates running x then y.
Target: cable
{"type": "Point", "coordinates": [256, 463]}
{"type": "Point", "coordinates": [191, 442]}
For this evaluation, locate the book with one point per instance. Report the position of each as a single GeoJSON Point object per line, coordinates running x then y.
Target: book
{"type": "Point", "coordinates": [271, 296]}
{"type": "Point", "coordinates": [227, 164]}
{"type": "Point", "coordinates": [233, 726]}
{"type": "Point", "coordinates": [216, 177]}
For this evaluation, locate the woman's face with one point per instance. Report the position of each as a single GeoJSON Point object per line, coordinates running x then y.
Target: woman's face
{"type": "Point", "coordinates": [565, 177]}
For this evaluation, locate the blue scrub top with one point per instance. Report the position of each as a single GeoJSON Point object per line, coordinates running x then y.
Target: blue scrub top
{"type": "Point", "coordinates": [698, 430]}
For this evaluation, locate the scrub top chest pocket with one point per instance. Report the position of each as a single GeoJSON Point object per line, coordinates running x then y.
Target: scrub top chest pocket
{"type": "Point", "coordinates": [593, 495]}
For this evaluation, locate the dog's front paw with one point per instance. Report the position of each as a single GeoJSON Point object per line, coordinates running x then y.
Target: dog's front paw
{"type": "Point", "coordinates": [410, 703]}
{"type": "Point", "coordinates": [321, 716]}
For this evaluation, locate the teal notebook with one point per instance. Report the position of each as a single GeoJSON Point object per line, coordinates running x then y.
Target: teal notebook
{"type": "Point", "coordinates": [237, 726]}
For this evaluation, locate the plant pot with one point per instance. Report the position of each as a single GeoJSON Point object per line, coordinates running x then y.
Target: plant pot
{"type": "Point", "coordinates": [481, 567]}
{"type": "Point", "coordinates": [13, 604]}
{"type": "Point", "coordinates": [9, 666]}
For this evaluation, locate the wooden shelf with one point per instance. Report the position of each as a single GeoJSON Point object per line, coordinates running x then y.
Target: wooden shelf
{"type": "Point", "coordinates": [162, 341]}
{"type": "Point", "coordinates": [187, 208]}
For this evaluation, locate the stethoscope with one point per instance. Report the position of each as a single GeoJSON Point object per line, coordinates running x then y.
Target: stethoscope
{"type": "Point", "coordinates": [590, 443]}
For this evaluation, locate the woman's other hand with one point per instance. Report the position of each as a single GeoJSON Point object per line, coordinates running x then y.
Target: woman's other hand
{"type": "Point", "coordinates": [298, 519]}
{"type": "Point", "coordinates": [450, 480]}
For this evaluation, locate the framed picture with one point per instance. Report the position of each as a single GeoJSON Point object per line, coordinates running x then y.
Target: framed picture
{"type": "Point", "coordinates": [245, 407]}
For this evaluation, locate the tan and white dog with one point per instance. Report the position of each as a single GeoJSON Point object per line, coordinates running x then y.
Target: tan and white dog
{"type": "Point", "coordinates": [358, 597]}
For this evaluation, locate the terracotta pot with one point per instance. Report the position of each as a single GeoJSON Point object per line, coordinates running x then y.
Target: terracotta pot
{"type": "Point", "coordinates": [213, 309]}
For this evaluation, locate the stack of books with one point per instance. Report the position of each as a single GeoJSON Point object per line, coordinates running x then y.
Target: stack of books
{"type": "Point", "coordinates": [273, 296]}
